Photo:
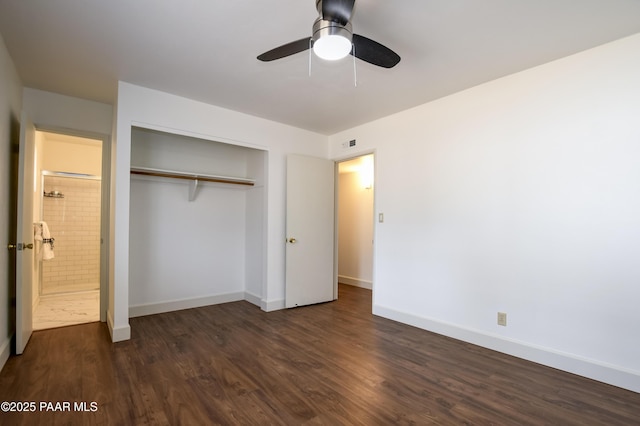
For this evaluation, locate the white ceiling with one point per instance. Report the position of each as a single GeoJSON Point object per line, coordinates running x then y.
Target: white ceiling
{"type": "Point", "coordinates": [206, 50]}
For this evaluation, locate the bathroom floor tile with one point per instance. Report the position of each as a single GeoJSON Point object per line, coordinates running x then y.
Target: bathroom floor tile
{"type": "Point", "coordinates": [60, 310]}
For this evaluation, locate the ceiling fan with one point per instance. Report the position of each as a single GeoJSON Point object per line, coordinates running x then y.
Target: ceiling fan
{"type": "Point", "coordinates": [332, 38]}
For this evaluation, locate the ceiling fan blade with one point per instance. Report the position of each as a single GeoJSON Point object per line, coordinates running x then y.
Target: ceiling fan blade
{"type": "Point", "coordinates": [336, 10]}
{"type": "Point", "coordinates": [373, 52]}
{"type": "Point", "coordinates": [286, 50]}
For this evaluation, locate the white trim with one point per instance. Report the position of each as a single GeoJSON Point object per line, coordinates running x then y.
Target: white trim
{"type": "Point", "coordinates": [118, 334]}
{"type": "Point", "coordinates": [356, 282]}
{"type": "Point", "coordinates": [191, 134]}
{"type": "Point", "coordinates": [273, 305]}
{"type": "Point", "coordinates": [5, 351]}
{"type": "Point", "coordinates": [252, 298]}
{"type": "Point", "coordinates": [177, 305]}
{"type": "Point", "coordinates": [592, 369]}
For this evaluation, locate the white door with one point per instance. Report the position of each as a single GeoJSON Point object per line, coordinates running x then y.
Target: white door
{"type": "Point", "coordinates": [24, 235]}
{"type": "Point", "coordinates": [310, 231]}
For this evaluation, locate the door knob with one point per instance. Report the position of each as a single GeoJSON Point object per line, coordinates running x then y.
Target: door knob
{"type": "Point", "coordinates": [292, 240]}
{"type": "Point", "coordinates": [28, 246]}
{"type": "Point", "coordinates": [11, 246]}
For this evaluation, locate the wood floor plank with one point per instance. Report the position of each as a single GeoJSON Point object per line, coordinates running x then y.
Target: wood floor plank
{"type": "Point", "coordinates": [328, 364]}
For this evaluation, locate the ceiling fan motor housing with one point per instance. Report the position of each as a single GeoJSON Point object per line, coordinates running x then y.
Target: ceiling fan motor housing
{"type": "Point", "coordinates": [322, 28]}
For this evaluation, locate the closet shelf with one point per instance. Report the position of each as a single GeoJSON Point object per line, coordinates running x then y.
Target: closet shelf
{"type": "Point", "coordinates": [146, 171]}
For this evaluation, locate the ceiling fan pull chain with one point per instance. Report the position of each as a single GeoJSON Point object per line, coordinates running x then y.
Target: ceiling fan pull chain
{"type": "Point", "coordinates": [355, 79]}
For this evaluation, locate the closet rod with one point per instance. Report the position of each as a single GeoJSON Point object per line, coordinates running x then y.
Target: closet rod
{"type": "Point", "coordinates": [190, 176]}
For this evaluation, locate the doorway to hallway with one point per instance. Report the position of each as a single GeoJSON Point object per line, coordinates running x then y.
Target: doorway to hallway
{"type": "Point", "coordinates": [355, 216]}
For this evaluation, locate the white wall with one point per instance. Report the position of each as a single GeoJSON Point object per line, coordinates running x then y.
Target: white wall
{"type": "Point", "coordinates": [255, 229]}
{"type": "Point", "coordinates": [152, 109]}
{"type": "Point", "coordinates": [10, 106]}
{"type": "Point", "coordinates": [184, 250]}
{"type": "Point", "coordinates": [521, 196]}
{"type": "Point", "coordinates": [54, 111]}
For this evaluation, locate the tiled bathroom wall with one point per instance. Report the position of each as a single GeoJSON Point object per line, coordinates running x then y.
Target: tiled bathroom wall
{"type": "Point", "coordinates": [74, 222]}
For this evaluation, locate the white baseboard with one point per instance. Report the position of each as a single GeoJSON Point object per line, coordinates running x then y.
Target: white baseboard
{"type": "Point", "coordinates": [252, 298]}
{"type": "Point", "coordinates": [177, 305]}
{"type": "Point", "coordinates": [591, 369]}
{"type": "Point", "coordinates": [272, 305]}
{"type": "Point", "coordinates": [118, 334]}
{"type": "Point", "coordinates": [356, 282]}
{"type": "Point", "coordinates": [267, 306]}
{"type": "Point", "coordinates": [5, 351]}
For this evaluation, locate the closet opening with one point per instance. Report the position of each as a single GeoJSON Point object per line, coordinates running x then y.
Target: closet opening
{"type": "Point", "coordinates": [197, 230]}
{"type": "Point", "coordinates": [355, 218]}
{"type": "Point", "coordinates": [69, 212]}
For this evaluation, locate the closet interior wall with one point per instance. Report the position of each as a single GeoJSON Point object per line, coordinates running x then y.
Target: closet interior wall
{"type": "Point", "coordinates": [207, 248]}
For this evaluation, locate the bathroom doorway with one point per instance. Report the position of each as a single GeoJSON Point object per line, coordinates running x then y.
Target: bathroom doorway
{"type": "Point", "coordinates": [67, 229]}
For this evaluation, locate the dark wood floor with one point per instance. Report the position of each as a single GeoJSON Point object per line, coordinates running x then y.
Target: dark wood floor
{"type": "Point", "coordinates": [328, 364]}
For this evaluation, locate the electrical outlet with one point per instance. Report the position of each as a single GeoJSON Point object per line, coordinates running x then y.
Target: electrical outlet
{"type": "Point", "coordinates": [502, 319]}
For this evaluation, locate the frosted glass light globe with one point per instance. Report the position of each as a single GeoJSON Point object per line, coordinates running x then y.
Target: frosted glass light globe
{"type": "Point", "coordinates": [332, 47]}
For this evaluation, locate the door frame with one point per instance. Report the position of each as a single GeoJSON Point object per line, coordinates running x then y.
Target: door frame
{"type": "Point", "coordinates": [337, 161]}
{"type": "Point", "coordinates": [105, 204]}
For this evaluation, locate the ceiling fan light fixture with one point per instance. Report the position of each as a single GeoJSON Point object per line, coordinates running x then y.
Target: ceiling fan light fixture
{"type": "Point", "coordinates": [331, 41]}
{"type": "Point", "coordinates": [332, 47]}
